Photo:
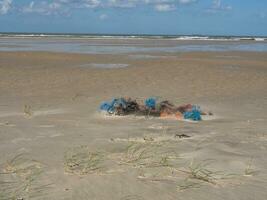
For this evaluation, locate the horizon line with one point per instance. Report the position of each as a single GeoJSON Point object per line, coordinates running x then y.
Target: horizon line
{"type": "Point", "coordinates": [131, 34]}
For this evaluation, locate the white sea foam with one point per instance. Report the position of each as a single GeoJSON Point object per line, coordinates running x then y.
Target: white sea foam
{"type": "Point", "coordinates": [170, 37]}
{"type": "Point", "coordinates": [83, 44]}
{"type": "Point", "coordinates": [105, 65]}
{"type": "Point", "coordinates": [260, 39]}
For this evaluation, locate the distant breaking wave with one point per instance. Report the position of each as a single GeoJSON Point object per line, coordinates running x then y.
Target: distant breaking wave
{"type": "Point", "coordinates": [95, 44]}
{"type": "Point", "coordinates": [99, 36]}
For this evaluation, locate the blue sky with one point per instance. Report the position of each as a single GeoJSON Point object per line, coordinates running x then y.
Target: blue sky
{"type": "Point", "coordinates": [212, 17]}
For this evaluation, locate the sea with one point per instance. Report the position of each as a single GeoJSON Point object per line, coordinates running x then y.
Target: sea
{"type": "Point", "coordinates": [119, 44]}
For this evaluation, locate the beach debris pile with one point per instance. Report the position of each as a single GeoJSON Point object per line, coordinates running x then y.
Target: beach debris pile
{"type": "Point", "coordinates": [151, 107]}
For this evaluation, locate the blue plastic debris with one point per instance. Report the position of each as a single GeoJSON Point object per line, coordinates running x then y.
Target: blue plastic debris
{"type": "Point", "coordinates": [105, 106]}
{"type": "Point", "coordinates": [151, 103]}
{"type": "Point", "coordinates": [127, 106]}
{"type": "Point", "coordinates": [194, 114]}
{"type": "Point", "coordinates": [110, 106]}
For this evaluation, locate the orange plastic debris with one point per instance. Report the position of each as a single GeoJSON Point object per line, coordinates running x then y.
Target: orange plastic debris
{"type": "Point", "coordinates": [177, 115]}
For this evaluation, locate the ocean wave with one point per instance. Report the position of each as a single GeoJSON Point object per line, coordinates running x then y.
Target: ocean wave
{"type": "Point", "coordinates": [167, 37]}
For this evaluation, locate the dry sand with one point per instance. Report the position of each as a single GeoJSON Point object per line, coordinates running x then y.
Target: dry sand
{"type": "Point", "coordinates": [55, 145]}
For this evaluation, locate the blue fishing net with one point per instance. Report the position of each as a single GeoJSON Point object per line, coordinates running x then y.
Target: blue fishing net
{"type": "Point", "coordinates": [151, 103]}
{"type": "Point", "coordinates": [111, 106]}
{"type": "Point", "coordinates": [194, 114]}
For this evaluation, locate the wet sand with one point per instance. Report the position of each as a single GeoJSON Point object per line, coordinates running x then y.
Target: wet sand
{"type": "Point", "coordinates": [55, 143]}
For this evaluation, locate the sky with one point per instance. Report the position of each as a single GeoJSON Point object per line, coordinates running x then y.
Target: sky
{"type": "Point", "coordinates": [170, 17]}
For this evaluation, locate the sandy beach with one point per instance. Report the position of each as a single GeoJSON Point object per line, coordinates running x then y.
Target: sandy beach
{"type": "Point", "coordinates": [54, 143]}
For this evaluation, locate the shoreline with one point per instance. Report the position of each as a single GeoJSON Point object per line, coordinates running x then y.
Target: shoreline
{"type": "Point", "coordinates": [124, 46]}
{"type": "Point", "coordinates": [135, 36]}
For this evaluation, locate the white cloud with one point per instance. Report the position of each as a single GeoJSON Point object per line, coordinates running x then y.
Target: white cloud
{"type": "Point", "coordinates": [122, 3]}
{"type": "Point", "coordinates": [168, 5]}
{"type": "Point", "coordinates": [103, 17]}
{"type": "Point", "coordinates": [43, 8]}
{"type": "Point", "coordinates": [91, 3]}
{"type": "Point", "coordinates": [56, 7]}
{"type": "Point", "coordinates": [5, 6]}
{"type": "Point", "coordinates": [218, 6]}
{"type": "Point", "coordinates": [48, 7]}
{"type": "Point", "coordinates": [186, 1]}
{"type": "Point", "coordinates": [169, 2]}
{"type": "Point", "coordinates": [159, 5]}
{"type": "Point", "coordinates": [164, 7]}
